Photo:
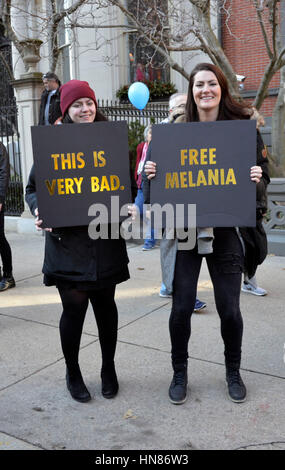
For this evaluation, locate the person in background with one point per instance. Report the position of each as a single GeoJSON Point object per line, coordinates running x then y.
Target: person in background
{"type": "Point", "coordinates": [50, 100]}
{"type": "Point", "coordinates": [7, 281]}
{"type": "Point", "coordinates": [140, 73]}
{"type": "Point", "coordinates": [81, 268]}
{"type": "Point", "coordinates": [142, 148]}
{"type": "Point", "coordinates": [249, 285]}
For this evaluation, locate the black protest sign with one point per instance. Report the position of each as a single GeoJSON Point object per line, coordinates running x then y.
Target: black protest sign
{"type": "Point", "coordinates": [78, 165]}
{"type": "Point", "coordinates": [207, 164]}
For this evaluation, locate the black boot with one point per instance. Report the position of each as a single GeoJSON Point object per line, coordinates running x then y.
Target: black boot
{"type": "Point", "coordinates": [178, 387]}
{"type": "Point", "coordinates": [236, 387]}
{"type": "Point", "coordinates": [76, 386]}
{"type": "Point", "coordinates": [7, 281]}
{"type": "Point", "coordinates": [110, 384]}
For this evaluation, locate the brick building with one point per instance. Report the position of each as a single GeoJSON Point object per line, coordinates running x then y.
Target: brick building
{"type": "Point", "coordinates": [244, 46]}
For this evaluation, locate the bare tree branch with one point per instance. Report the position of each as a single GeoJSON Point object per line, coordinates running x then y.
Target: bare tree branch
{"type": "Point", "coordinates": [263, 29]}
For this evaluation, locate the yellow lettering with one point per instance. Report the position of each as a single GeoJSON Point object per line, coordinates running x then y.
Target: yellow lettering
{"type": "Point", "coordinates": [115, 182]}
{"type": "Point", "coordinates": [193, 153]}
{"type": "Point", "coordinates": [94, 184]}
{"type": "Point", "coordinates": [231, 177]}
{"type": "Point", "coordinates": [99, 160]}
{"type": "Point", "coordinates": [69, 186]}
{"type": "Point", "coordinates": [201, 178]}
{"type": "Point", "coordinates": [222, 176]}
{"type": "Point", "coordinates": [55, 157]}
{"type": "Point", "coordinates": [213, 176]}
{"type": "Point", "coordinates": [183, 156]}
{"type": "Point", "coordinates": [80, 160]}
{"type": "Point", "coordinates": [78, 183]}
{"type": "Point", "coordinates": [190, 178]}
{"type": "Point", "coordinates": [104, 184]}
{"type": "Point", "coordinates": [60, 186]}
{"type": "Point", "coordinates": [203, 156]}
{"type": "Point", "coordinates": [65, 161]}
{"type": "Point", "coordinates": [212, 156]}
{"type": "Point", "coordinates": [171, 180]}
{"type": "Point", "coordinates": [51, 187]}
{"type": "Point", "coordinates": [183, 182]}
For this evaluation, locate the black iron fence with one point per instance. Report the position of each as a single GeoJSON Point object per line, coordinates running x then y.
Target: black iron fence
{"type": "Point", "coordinates": [115, 111]}
{"type": "Point", "coordinates": [9, 135]}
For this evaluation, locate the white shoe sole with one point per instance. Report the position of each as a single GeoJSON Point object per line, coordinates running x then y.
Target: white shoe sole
{"type": "Point", "coordinates": [232, 399]}
{"type": "Point", "coordinates": [247, 291]}
{"type": "Point", "coordinates": [178, 402]}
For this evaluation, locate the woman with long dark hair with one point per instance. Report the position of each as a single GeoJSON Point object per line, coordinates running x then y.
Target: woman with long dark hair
{"type": "Point", "coordinates": [209, 100]}
{"type": "Point", "coordinates": [83, 269]}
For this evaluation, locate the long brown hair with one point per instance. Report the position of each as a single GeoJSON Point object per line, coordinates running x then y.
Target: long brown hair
{"type": "Point", "coordinates": [229, 108]}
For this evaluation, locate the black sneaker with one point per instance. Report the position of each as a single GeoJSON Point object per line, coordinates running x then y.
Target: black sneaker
{"type": "Point", "coordinates": [236, 387]}
{"type": "Point", "coordinates": [7, 283]}
{"type": "Point", "coordinates": [178, 387]}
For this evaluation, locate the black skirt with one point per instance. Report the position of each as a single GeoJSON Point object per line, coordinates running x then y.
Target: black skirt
{"type": "Point", "coordinates": [121, 276]}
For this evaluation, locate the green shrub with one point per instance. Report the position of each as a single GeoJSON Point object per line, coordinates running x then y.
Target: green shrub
{"type": "Point", "coordinates": [157, 89]}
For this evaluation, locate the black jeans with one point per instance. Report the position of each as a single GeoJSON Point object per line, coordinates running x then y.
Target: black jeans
{"type": "Point", "coordinates": [225, 266]}
{"type": "Point", "coordinates": [5, 250]}
{"type": "Point", "coordinates": [75, 303]}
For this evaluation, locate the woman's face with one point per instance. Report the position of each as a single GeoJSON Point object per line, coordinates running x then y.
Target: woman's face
{"type": "Point", "coordinates": [206, 93]}
{"type": "Point", "coordinates": [82, 110]}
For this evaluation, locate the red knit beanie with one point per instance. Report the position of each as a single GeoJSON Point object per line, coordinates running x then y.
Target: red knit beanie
{"type": "Point", "coordinates": [74, 90]}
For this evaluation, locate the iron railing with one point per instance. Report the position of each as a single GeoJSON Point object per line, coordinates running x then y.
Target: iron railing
{"type": "Point", "coordinates": [117, 111]}
{"type": "Point", "coordinates": [9, 135]}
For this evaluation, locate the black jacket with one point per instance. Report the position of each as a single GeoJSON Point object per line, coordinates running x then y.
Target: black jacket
{"type": "Point", "coordinates": [4, 172]}
{"type": "Point", "coordinates": [54, 107]}
{"type": "Point", "coordinates": [71, 255]}
{"type": "Point", "coordinates": [255, 239]}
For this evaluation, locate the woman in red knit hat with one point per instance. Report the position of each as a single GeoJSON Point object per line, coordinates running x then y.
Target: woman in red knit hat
{"type": "Point", "coordinates": [81, 268]}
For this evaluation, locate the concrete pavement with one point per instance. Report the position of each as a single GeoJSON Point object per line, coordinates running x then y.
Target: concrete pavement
{"type": "Point", "coordinates": [37, 412]}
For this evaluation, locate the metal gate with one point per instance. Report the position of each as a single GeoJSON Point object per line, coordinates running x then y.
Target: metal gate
{"type": "Point", "coordinates": [9, 134]}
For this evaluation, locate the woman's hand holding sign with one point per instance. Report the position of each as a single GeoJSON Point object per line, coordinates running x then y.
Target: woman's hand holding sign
{"type": "Point", "coordinates": [256, 173]}
{"type": "Point", "coordinates": [38, 222]}
{"type": "Point", "coordinates": [150, 169]}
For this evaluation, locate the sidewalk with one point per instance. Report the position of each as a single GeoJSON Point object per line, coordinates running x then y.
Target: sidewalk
{"type": "Point", "coordinates": [37, 412]}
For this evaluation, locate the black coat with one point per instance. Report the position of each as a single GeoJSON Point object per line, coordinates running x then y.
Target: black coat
{"type": "Point", "coordinates": [71, 255]}
{"type": "Point", "coordinates": [4, 172]}
{"type": "Point", "coordinates": [255, 239]}
{"type": "Point", "coordinates": [54, 107]}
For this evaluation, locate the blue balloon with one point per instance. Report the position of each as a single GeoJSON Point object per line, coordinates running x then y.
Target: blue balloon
{"type": "Point", "coordinates": [138, 94]}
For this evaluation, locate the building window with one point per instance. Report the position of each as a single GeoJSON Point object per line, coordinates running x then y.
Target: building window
{"type": "Point", "coordinates": [145, 62]}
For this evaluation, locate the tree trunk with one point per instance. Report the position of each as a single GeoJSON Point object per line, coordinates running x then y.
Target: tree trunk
{"type": "Point", "coordinates": [215, 51]}
{"type": "Point", "coordinates": [264, 84]}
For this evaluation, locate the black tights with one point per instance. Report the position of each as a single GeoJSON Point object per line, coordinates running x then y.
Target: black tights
{"type": "Point", "coordinates": [75, 303]}
{"type": "Point", "coordinates": [5, 250]}
{"type": "Point", "coordinates": [225, 267]}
